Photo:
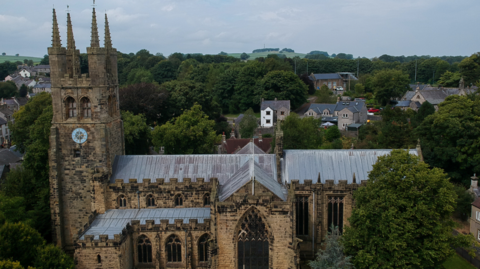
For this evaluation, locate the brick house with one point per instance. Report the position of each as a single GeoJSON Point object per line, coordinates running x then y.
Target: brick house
{"type": "Point", "coordinates": [273, 110]}
{"type": "Point", "coordinates": [332, 80]}
{"type": "Point", "coordinates": [343, 113]}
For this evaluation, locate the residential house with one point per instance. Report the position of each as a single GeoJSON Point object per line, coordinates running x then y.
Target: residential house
{"type": "Point", "coordinates": [475, 216]}
{"type": "Point", "coordinates": [10, 103]}
{"type": "Point", "coordinates": [333, 81]}
{"type": "Point", "coordinates": [43, 87]}
{"type": "Point", "coordinates": [42, 69]}
{"type": "Point", "coordinates": [343, 113]}
{"type": "Point", "coordinates": [24, 72]}
{"type": "Point", "coordinates": [240, 145]}
{"type": "Point", "coordinates": [8, 78]}
{"type": "Point", "coordinates": [271, 111]}
{"type": "Point", "coordinates": [44, 80]}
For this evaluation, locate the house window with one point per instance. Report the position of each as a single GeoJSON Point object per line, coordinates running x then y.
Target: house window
{"type": "Point", "coordinates": [268, 113]}
{"type": "Point", "coordinates": [301, 210]}
{"type": "Point", "coordinates": [335, 213]}
{"type": "Point", "coordinates": [144, 249]}
{"type": "Point", "coordinates": [174, 249]}
{"type": "Point", "coordinates": [178, 200]}
{"type": "Point", "coordinates": [418, 96]}
{"type": "Point", "coordinates": [478, 236]}
{"type": "Point", "coordinates": [478, 215]}
{"type": "Point", "coordinates": [329, 85]}
{"type": "Point", "coordinates": [268, 121]}
{"type": "Point", "coordinates": [86, 107]}
{"type": "Point", "coordinates": [71, 107]}
{"type": "Point", "coordinates": [203, 248]}
{"type": "Point", "coordinates": [282, 113]}
{"type": "Point", "coordinates": [206, 199]}
{"type": "Point", "coordinates": [150, 200]}
{"type": "Point", "coordinates": [345, 115]}
{"type": "Point", "coordinates": [334, 84]}
{"type": "Point", "coordinates": [122, 202]}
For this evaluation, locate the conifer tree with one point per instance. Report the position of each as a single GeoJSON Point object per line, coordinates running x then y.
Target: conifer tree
{"type": "Point", "coordinates": [331, 255]}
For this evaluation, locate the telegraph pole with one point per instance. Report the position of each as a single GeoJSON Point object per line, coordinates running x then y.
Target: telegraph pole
{"type": "Point", "coordinates": [416, 70]}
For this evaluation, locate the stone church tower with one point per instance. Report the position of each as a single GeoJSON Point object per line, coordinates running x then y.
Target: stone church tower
{"type": "Point", "coordinates": [86, 132]}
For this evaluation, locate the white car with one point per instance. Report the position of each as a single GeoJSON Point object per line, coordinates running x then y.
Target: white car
{"type": "Point", "coordinates": [339, 89]}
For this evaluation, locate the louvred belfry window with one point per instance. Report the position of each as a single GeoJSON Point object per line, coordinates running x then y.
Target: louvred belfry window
{"type": "Point", "coordinates": [335, 212]}
{"type": "Point", "coordinates": [86, 108]}
{"type": "Point", "coordinates": [71, 108]}
{"type": "Point", "coordinates": [253, 245]}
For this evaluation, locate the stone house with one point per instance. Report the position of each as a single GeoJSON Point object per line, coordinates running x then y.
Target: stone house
{"type": "Point", "coordinates": [234, 145]}
{"type": "Point", "coordinates": [227, 211]}
{"type": "Point", "coordinates": [271, 111]}
{"type": "Point", "coordinates": [332, 80]}
{"type": "Point", "coordinates": [41, 69]}
{"type": "Point", "coordinates": [42, 87]}
{"type": "Point", "coordinates": [343, 113]}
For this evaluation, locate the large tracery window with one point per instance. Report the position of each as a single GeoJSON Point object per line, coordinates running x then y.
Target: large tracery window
{"type": "Point", "coordinates": [71, 108]}
{"type": "Point", "coordinates": [301, 216]}
{"type": "Point", "coordinates": [144, 249]}
{"type": "Point", "coordinates": [253, 242]}
{"type": "Point", "coordinates": [335, 213]}
{"type": "Point", "coordinates": [86, 108]}
{"type": "Point", "coordinates": [174, 249]}
{"type": "Point", "coordinates": [203, 248]}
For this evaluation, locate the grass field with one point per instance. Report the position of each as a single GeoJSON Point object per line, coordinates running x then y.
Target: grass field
{"type": "Point", "coordinates": [253, 56]}
{"type": "Point", "coordinates": [19, 58]}
{"type": "Point", "coordinates": [457, 262]}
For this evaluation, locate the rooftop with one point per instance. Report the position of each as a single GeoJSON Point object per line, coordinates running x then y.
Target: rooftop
{"type": "Point", "coordinates": [275, 104]}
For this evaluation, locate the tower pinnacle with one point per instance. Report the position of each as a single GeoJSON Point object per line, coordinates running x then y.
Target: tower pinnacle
{"type": "Point", "coordinates": [70, 39]}
{"type": "Point", "coordinates": [56, 42]}
{"type": "Point", "coordinates": [95, 43]}
{"type": "Point", "coordinates": [108, 39]}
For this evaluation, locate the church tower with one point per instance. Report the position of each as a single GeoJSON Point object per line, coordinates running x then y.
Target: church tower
{"type": "Point", "coordinates": [86, 132]}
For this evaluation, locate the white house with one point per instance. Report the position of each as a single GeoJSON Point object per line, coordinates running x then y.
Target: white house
{"type": "Point", "coordinates": [271, 111]}
{"type": "Point", "coordinates": [24, 73]}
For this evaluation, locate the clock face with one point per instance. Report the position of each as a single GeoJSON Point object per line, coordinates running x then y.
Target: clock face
{"type": "Point", "coordinates": [79, 135]}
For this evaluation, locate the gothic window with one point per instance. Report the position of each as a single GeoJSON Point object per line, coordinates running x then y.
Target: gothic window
{"type": "Point", "coordinates": [144, 249]}
{"type": "Point", "coordinates": [150, 200]}
{"type": "Point", "coordinates": [99, 259]}
{"type": "Point", "coordinates": [174, 249]}
{"type": "Point", "coordinates": [335, 212]}
{"type": "Point", "coordinates": [122, 202]}
{"type": "Point", "coordinates": [253, 242]}
{"type": "Point", "coordinates": [203, 248]}
{"type": "Point", "coordinates": [71, 108]}
{"type": "Point", "coordinates": [206, 199]}
{"type": "Point", "coordinates": [86, 108]}
{"type": "Point", "coordinates": [178, 200]}
{"type": "Point", "coordinates": [301, 216]}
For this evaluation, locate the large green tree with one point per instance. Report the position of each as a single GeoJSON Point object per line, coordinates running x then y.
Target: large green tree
{"type": "Point", "coordinates": [450, 79]}
{"type": "Point", "coordinates": [301, 133]}
{"type": "Point", "coordinates": [470, 69]}
{"type": "Point", "coordinates": [137, 133]}
{"type": "Point", "coordinates": [401, 218]}
{"type": "Point", "coordinates": [7, 89]}
{"type": "Point", "coordinates": [164, 71]}
{"type": "Point", "coordinates": [224, 91]}
{"type": "Point", "coordinates": [449, 137]}
{"type": "Point", "coordinates": [284, 85]}
{"type": "Point", "coordinates": [246, 86]}
{"type": "Point", "coordinates": [52, 257]}
{"type": "Point", "coordinates": [190, 133]}
{"type": "Point", "coordinates": [325, 96]}
{"type": "Point", "coordinates": [19, 242]}
{"type": "Point", "coordinates": [248, 124]}
{"type": "Point", "coordinates": [390, 84]}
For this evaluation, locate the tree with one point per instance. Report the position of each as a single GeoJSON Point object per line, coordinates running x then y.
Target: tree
{"type": "Point", "coordinates": [248, 124]}
{"type": "Point", "coordinates": [401, 218]}
{"type": "Point", "coordinates": [12, 209]}
{"type": "Point", "coordinates": [164, 71]}
{"type": "Point", "coordinates": [325, 96]}
{"type": "Point", "coordinates": [464, 202]}
{"type": "Point", "coordinates": [45, 60]}
{"type": "Point", "coordinates": [306, 79]}
{"type": "Point", "coordinates": [144, 98]}
{"type": "Point", "coordinates": [332, 133]}
{"type": "Point", "coordinates": [331, 255]}
{"type": "Point", "coordinates": [425, 110]}
{"type": "Point", "coordinates": [284, 85]}
{"type": "Point", "coordinates": [19, 242]}
{"type": "Point", "coordinates": [23, 90]}
{"type": "Point", "coordinates": [244, 56]}
{"type": "Point", "coordinates": [7, 89]}
{"type": "Point", "coordinates": [51, 256]}
{"type": "Point", "coordinates": [359, 89]}
{"type": "Point", "coordinates": [246, 86]}
{"type": "Point", "coordinates": [470, 69]}
{"type": "Point", "coordinates": [7, 264]}
{"type": "Point", "coordinates": [390, 84]}
{"type": "Point", "coordinates": [190, 133]}
{"type": "Point", "coordinates": [137, 133]}
{"type": "Point", "coordinates": [223, 53]}
{"type": "Point", "coordinates": [449, 137]}
{"type": "Point", "coordinates": [449, 79]}
{"type": "Point", "coordinates": [139, 75]}
{"type": "Point", "coordinates": [301, 133]}
{"type": "Point", "coordinates": [224, 91]}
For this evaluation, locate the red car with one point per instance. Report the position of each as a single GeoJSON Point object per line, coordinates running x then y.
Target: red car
{"type": "Point", "coordinates": [373, 110]}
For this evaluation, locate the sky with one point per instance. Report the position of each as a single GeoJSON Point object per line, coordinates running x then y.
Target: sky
{"type": "Point", "coordinates": [365, 28]}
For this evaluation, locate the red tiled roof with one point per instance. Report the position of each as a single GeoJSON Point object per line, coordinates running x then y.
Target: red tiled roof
{"type": "Point", "coordinates": [476, 203]}
{"type": "Point", "coordinates": [232, 145]}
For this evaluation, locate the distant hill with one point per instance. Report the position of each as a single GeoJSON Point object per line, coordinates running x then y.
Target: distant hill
{"type": "Point", "coordinates": [4, 58]}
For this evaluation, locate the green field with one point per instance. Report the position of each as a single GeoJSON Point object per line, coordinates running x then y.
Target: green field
{"type": "Point", "coordinates": [457, 262]}
{"type": "Point", "coordinates": [19, 58]}
{"type": "Point", "coordinates": [253, 56]}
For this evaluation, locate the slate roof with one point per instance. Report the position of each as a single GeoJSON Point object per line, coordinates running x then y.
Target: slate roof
{"type": "Point", "coordinates": [221, 166]}
{"type": "Point", "coordinates": [409, 95]}
{"type": "Point", "coordinates": [476, 203]}
{"type": "Point", "coordinates": [3, 121]}
{"type": "Point", "coordinates": [403, 103]}
{"type": "Point", "coordinates": [251, 148]}
{"type": "Point", "coordinates": [113, 221]}
{"type": "Point", "coordinates": [238, 119]}
{"type": "Point", "coordinates": [319, 108]}
{"type": "Point", "coordinates": [331, 164]}
{"type": "Point", "coordinates": [354, 106]}
{"type": "Point", "coordinates": [7, 157]}
{"type": "Point", "coordinates": [6, 111]}
{"type": "Point", "coordinates": [435, 96]}
{"type": "Point", "coordinates": [22, 100]}
{"type": "Point", "coordinates": [275, 105]}
{"type": "Point", "coordinates": [327, 76]}
{"type": "Point", "coordinates": [42, 67]}
{"type": "Point", "coordinates": [420, 86]}
{"type": "Point", "coordinates": [233, 145]}
{"type": "Point", "coordinates": [43, 85]}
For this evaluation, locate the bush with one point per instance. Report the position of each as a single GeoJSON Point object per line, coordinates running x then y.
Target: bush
{"type": "Point", "coordinates": [53, 257]}
{"type": "Point", "coordinates": [19, 242]}
{"type": "Point", "coordinates": [332, 133]}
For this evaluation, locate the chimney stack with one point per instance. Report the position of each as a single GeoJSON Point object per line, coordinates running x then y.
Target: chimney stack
{"type": "Point", "coordinates": [275, 98]}
{"type": "Point", "coordinates": [474, 184]}
{"type": "Point", "coordinates": [260, 138]}
{"type": "Point", "coordinates": [224, 140]}
{"type": "Point", "coordinates": [232, 134]}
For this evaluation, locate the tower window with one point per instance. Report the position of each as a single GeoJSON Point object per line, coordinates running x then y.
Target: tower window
{"type": "Point", "coordinates": [86, 108]}
{"type": "Point", "coordinates": [302, 215]}
{"type": "Point", "coordinates": [178, 200]}
{"type": "Point", "coordinates": [112, 105]}
{"type": "Point", "coordinates": [71, 108]}
{"type": "Point", "coordinates": [122, 201]}
{"type": "Point", "coordinates": [150, 200]}
{"type": "Point", "coordinates": [99, 259]}
{"type": "Point", "coordinates": [77, 153]}
{"type": "Point", "coordinates": [174, 249]}
{"type": "Point", "coordinates": [335, 213]}
{"type": "Point", "coordinates": [144, 249]}
{"type": "Point", "coordinates": [206, 199]}
{"type": "Point", "coordinates": [203, 248]}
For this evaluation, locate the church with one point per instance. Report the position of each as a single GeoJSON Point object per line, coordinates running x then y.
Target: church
{"type": "Point", "coordinates": [229, 211]}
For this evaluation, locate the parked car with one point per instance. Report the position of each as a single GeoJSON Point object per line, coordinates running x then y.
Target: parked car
{"type": "Point", "coordinates": [373, 110]}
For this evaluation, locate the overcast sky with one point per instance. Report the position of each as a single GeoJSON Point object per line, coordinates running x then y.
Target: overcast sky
{"type": "Point", "coordinates": [366, 28]}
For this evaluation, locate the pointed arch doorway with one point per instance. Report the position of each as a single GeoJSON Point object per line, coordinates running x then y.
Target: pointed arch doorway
{"type": "Point", "coordinates": [252, 244]}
